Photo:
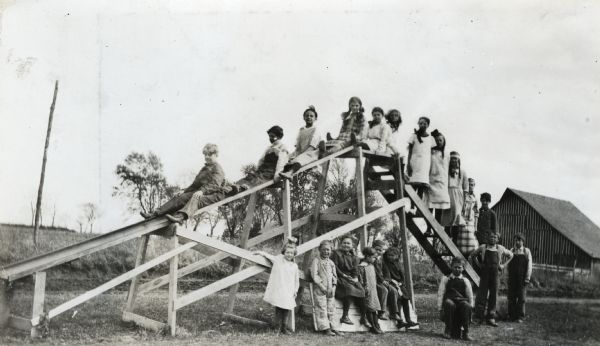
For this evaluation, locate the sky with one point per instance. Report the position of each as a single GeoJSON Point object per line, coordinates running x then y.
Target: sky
{"type": "Point", "coordinates": [512, 85]}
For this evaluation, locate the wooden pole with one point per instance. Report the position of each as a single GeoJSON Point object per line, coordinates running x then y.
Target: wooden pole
{"type": "Point", "coordinates": [38, 204]}
{"type": "Point", "coordinates": [38, 300]}
{"type": "Point", "coordinates": [172, 311]}
{"type": "Point", "coordinates": [404, 232]}
{"type": "Point", "coordinates": [360, 196]}
{"type": "Point", "coordinates": [139, 260]}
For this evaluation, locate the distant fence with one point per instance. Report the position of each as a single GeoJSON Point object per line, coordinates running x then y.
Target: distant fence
{"type": "Point", "coordinates": [4, 226]}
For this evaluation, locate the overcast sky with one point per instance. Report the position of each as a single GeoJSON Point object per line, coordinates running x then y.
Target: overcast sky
{"type": "Point", "coordinates": [513, 85]}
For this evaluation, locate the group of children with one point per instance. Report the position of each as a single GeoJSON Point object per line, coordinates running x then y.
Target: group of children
{"type": "Point", "coordinates": [376, 283]}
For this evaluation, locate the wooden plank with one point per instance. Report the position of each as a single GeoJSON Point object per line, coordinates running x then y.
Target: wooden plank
{"type": "Point", "coordinates": [225, 247]}
{"type": "Point", "coordinates": [244, 320]}
{"type": "Point", "coordinates": [39, 293]}
{"type": "Point", "coordinates": [338, 217]}
{"type": "Point", "coordinates": [139, 259]}
{"type": "Point", "coordinates": [381, 185]}
{"type": "Point", "coordinates": [172, 312]}
{"type": "Point", "coordinates": [403, 231]}
{"type": "Point", "coordinates": [256, 269]}
{"type": "Point", "coordinates": [205, 262]}
{"type": "Point", "coordinates": [440, 232]}
{"type": "Point", "coordinates": [243, 244]}
{"type": "Point", "coordinates": [339, 207]}
{"type": "Point", "coordinates": [360, 196]}
{"type": "Point", "coordinates": [287, 209]}
{"type": "Point", "coordinates": [41, 263]}
{"type": "Point", "coordinates": [19, 323]}
{"type": "Point", "coordinates": [144, 321]}
{"type": "Point", "coordinates": [4, 304]}
{"type": "Point", "coordinates": [114, 282]}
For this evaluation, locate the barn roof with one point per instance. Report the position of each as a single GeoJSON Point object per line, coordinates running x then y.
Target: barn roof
{"type": "Point", "coordinates": [565, 218]}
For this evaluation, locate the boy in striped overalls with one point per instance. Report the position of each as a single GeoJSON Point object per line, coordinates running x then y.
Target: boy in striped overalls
{"type": "Point", "coordinates": [519, 273]}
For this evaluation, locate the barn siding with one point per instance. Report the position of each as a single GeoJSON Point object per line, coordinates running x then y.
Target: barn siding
{"type": "Point", "coordinates": [548, 246]}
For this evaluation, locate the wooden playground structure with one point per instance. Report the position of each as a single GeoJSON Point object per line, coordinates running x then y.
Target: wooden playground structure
{"type": "Point", "coordinates": [372, 172]}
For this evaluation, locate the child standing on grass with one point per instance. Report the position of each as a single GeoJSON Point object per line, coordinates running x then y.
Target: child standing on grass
{"type": "Point", "coordinates": [283, 284]}
{"type": "Point", "coordinates": [491, 259]}
{"type": "Point", "coordinates": [519, 274]}
{"type": "Point", "coordinates": [353, 128]}
{"type": "Point", "coordinates": [419, 157]}
{"type": "Point", "coordinates": [486, 224]}
{"type": "Point", "coordinates": [307, 145]}
{"type": "Point", "coordinates": [322, 272]}
{"type": "Point", "coordinates": [455, 302]}
{"type": "Point", "coordinates": [368, 279]}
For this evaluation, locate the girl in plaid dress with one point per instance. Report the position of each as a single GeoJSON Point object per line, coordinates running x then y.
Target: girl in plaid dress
{"type": "Point", "coordinates": [467, 241]}
{"type": "Point", "coordinates": [353, 128]}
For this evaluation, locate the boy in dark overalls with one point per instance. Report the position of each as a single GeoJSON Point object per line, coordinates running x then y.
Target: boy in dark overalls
{"type": "Point", "coordinates": [519, 273]}
{"type": "Point", "coordinates": [491, 265]}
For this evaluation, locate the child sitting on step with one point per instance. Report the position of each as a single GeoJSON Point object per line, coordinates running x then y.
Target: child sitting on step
{"type": "Point", "coordinates": [353, 128]}
{"type": "Point", "coordinates": [368, 279]}
{"type": "Point", "coordinates": [283, 284]}
{"type": "Point", "coordinates": [307, 145]}
{"type": "Point", "coordinates": [322, 272]}
{"type": "Point", "coordinates": [455, 302]}
{"type": "Point", "coordinates": [392, 271]}
{"type": "Point", "coordinates": [379, 133]}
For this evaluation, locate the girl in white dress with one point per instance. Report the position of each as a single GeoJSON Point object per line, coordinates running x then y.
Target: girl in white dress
{"type": "Point", "coordinates": [378, 134]}
{"type": "Point", "coordinates": [437, 196]}
{"type": "Point", "coordinates": [419, 157]}
{"type": "Point", "coordinates": [307, 145]}
{"type": "Point", "coordinates": [283, 284]}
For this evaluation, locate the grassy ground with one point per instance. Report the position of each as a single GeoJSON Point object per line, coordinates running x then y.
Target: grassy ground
{"type": "Point", "coordinates": [549, 322]}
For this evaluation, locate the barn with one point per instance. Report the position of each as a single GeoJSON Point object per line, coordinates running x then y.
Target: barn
{"type": "Point", "coordinates": [558, 234]}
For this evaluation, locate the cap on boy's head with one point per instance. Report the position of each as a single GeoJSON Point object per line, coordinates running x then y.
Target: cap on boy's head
{"type": "Point", "coordinates": [378, 243]}
{"type": "Point", "coordinates": [455, 154]}
{"type": "Point", "coordinates": [519, 236]}
{"type": "Point", "coordinates": [486, 197]}
{"type": "Point", "coordinates": [457, 260]}
{"type": "Point", "coordinates": [276, 130]}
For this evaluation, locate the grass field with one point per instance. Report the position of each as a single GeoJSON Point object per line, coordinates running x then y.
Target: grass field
{"type": "Point", "coordinates": [549, 323]}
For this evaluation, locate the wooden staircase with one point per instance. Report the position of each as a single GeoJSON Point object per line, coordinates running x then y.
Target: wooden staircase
{"type": "Point", "coordinates": [381, 174]}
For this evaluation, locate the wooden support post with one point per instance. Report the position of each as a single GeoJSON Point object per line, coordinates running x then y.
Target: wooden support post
{"type": "Point", "coordinates": [404, 232]}
{"type": "Point", "coordinates": [39, 292]}
{"type": "Point", "coordinates": [360, 196]}
{"type": "Point", "coordinates": [287, 208]}
{"type": "Point", "coordinates": [172, 312]}
{"type": "Point", "coordinates": [243, 244]}
{"type": "Point", "coordinates": [139, 259]}
{"type": "Point", "coordinates": [4, 304]}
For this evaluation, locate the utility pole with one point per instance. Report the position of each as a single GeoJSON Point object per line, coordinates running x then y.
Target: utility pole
{"type": "Point", "coordinates": [38, 204]}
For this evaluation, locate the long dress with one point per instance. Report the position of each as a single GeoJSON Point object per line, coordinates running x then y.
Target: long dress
{"type": "Point", "coordinates": [420, 159]}
{"type": "Point", "coordinates": [453, 216]}
{"type": "Point", "coordinates": [467, 241]}
{"type": "Point", "coordinates": [397, 144]}
{"type": "Point", "coordinates": [307, 146]}
{"type": "Point", "coordinates": [378, 137]}
{"type": "Point", "coordinates": [346, 265]}
{"type": "Point", "coordinates": [283, 283]}
{"type": "Point", "coordinates": [369, 281]}
{"type": "Point", "coordinates": [437, 195]}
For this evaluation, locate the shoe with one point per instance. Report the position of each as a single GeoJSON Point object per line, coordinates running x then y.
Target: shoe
{"type": "Point", "coordinates": [346, 320]}
{"type": "Point", "coordinates": [466, 337]}
{"type": "Point", "coordinates": [395, 317]}
{"type": "Point", "coordinates": [381, 316]}
{"type": "Point", "coordinates": [491, 322]}
{"type": "Point", "coordinates": [286, 175]}
{"type": "Point", "coordinates": [428, 233]}
{"type": "Point", "coordinates": [146, 215]}
{"type": "Point", "coordinates": [520, 320]}
{"type": "Point", "coordinates": [243, 187]}
{"type": "Point", "coordinates": [337, 332]}
{"type": "Point", "coordinates": [329, 138]}
{"type": "Point", "coordinates": [285, 331]}
{"type": "Point", "coordinates": [177, 218]}
{"type": "Point", "coordinates": [402, 324]}
{"type": "Point", "coordinates": [365, 322]}
{"type": "Point", "coordinates": [411, 324]}
{"type": "Point", "coordinates": [328, 332]}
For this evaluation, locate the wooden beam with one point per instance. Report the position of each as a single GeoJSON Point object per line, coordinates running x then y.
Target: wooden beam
{"type": "Point", "coordinates": [360, 196]}
{"type": "Point", "coordinates": [244, 320]}
{"type": "Point", "coordinates": [339, 207]}
{"type": "Point", "coordinates": [173, 266]}
{"type": "Point", "coordinates": [338, 217]}
{"type": "Point", "coordinates": [287, 208]}
{"type": "Point", "coordinates": [114, 282]}
{"type": "Point", "coordinates": [225, 247]}
{"type": "Point", "coordinates": [381, 185]}
{"type": "Point", "coordinates": [403, 231]}
{"type": "Point", "coordinates": [205, 262]}
{"type": "Point", "coordinates": [139, 259]}
{"type": "Point", "coordinates": [39, 293]}
{"type": "Point", "coordinates": [143, 321]}
{"type": "Point", "coordinates": [4, 304]}
{"type": "Point", "coordinates": [41, 263]}
{"type": "Point", "coordinates": [243, 244]}
{"type": "Point", "coordinates": [303, 248]}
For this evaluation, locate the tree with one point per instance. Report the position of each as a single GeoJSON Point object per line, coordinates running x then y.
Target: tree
{"type": "Point", "coordinates": [142, 182]}
{"type": "Point", "coordinates": [90, 214]}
